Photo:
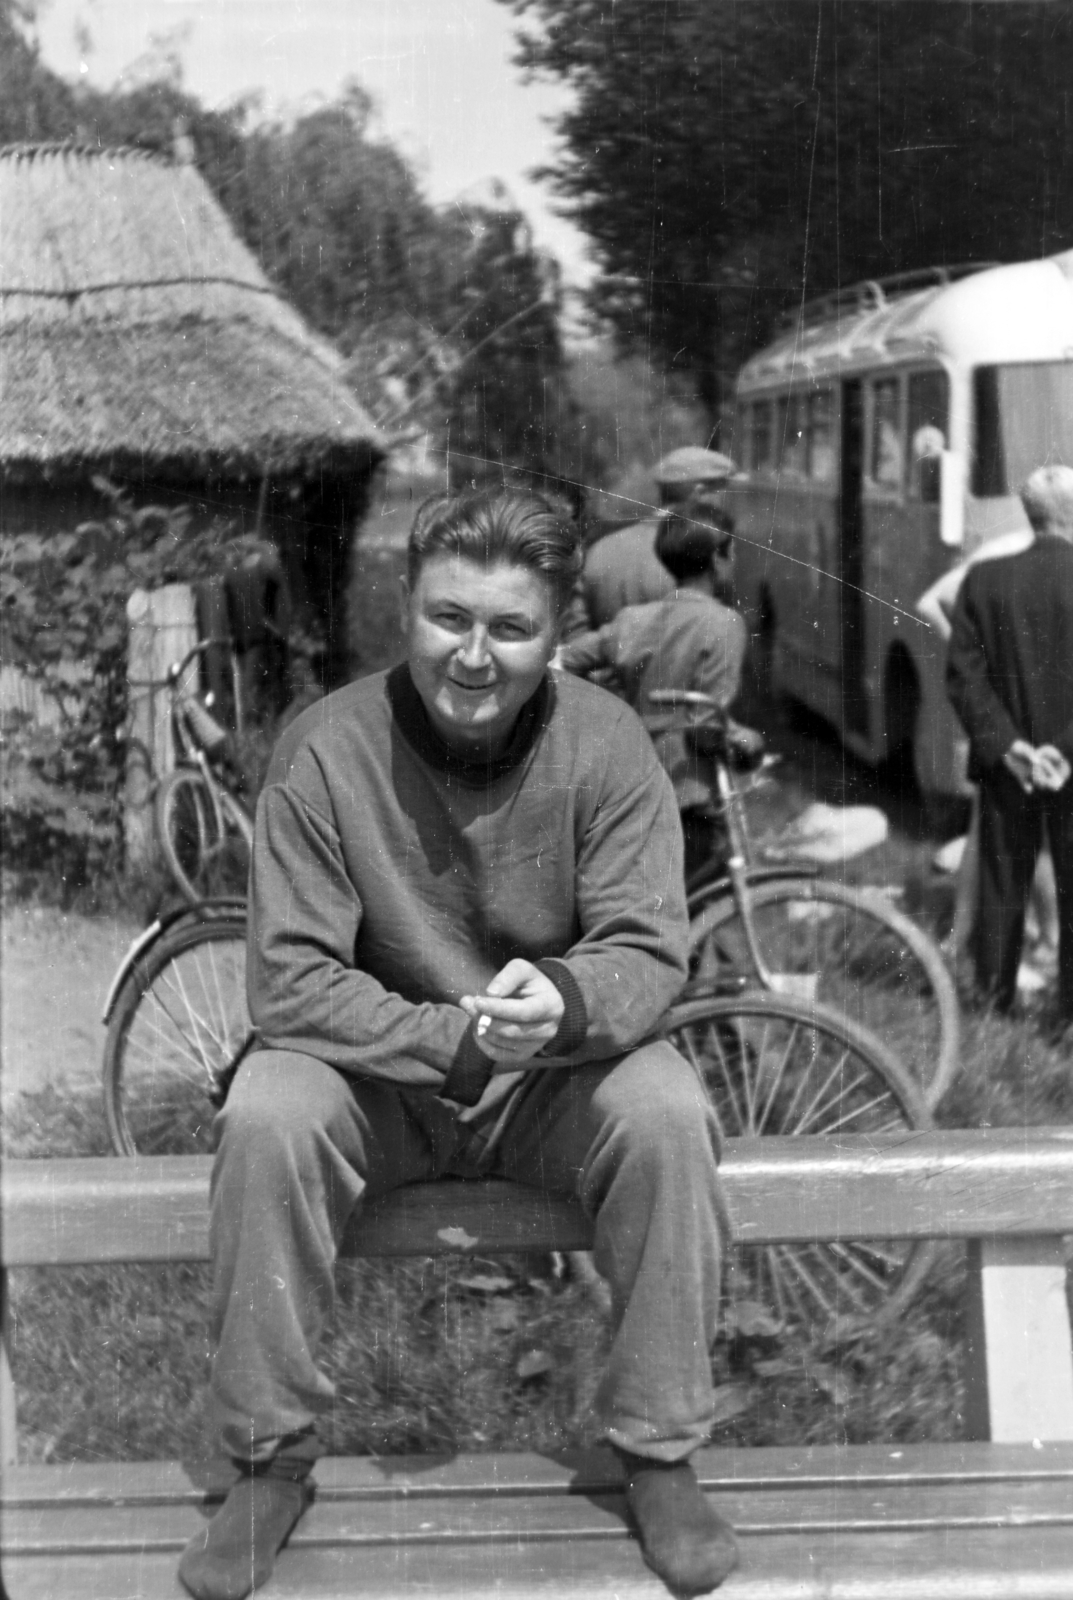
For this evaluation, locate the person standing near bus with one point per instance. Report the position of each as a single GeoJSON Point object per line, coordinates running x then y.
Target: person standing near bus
{"type": "Point", "coordinates": [688, 640]}
{"type": "Point", "coordinates": [936, 606]}
{"type": "Point", "coordinates": [1010, 681]}
{"type": "Point", "coordinates": [622, 569]}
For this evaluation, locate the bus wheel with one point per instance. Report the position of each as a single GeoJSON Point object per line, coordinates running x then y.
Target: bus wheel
{"type": "Point", "coordinates": [901, 702]}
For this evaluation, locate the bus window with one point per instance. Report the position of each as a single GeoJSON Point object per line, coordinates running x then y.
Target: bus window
{"type": "Point", "coordinates": [762, 435]}
{"type": "Point", "coordinates": [1023, 420]}
{"type": "Point", "coordinates": [929, 405]}
{"type": "Point", "coordinates": [886, 467]}
{"type": "Point", "coordinates": [782, 422]}
{"type": "Point", "coordinates": [821, 446]}
{"type": "Point", "coordinates": [794, 438]}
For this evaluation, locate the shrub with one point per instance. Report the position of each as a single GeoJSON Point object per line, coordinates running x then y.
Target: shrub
{"type": "Point", "coordinates": [63, 624]}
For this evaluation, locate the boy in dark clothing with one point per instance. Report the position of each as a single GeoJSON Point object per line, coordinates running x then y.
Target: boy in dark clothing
{"type": "Point", "coordinates": [1010, 680]}
{"type": "Point", "coordinates": [690, 640]}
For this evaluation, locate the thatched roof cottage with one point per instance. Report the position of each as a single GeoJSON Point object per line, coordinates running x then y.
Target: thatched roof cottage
{"type": "Point", "coordinates": [139, 339]}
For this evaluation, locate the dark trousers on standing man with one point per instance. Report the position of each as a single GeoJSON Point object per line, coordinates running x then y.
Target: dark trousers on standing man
{"type": "Point", "coordinates": [1011, 836]}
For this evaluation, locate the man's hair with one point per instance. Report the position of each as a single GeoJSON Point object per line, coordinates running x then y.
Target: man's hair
{"type": "Point", "coordinates": [1047, 497]}
{"type": "Point", "coordinates": [687, 542]}
{"type": "Point", "coordinates": [499, 526]}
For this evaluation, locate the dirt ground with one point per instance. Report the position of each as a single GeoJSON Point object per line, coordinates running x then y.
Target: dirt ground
{"type": "Point", "coordinates": [55, 971]}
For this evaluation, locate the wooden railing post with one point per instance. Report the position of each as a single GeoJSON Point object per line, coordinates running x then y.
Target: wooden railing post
{"type": "Point", "coordinates": [9, 1445]}
{"type": "Point", "coordinates": [1019, 1353]}
{"type": "Point", "coordinates": [163, 628]}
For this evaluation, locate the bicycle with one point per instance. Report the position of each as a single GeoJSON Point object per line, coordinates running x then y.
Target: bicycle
{"type": "Point", "coordinates": [792, 931]}
{"type": "Point", "coordinates": [776, 1064]}
{"type": "Point", "coordinates": [178, 1026]}
{"type": "Point", "coordinates": [205, 830]}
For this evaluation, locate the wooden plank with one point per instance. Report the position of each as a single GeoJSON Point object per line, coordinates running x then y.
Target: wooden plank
{"type": "Point", "coordinates": [519, 1472]}
{"type": "Point", "coordinates": [523, 1519]}
{"type": "Point", "coordinates": [973, 1564]}
{"type": "Point", "coordinates": [9, 1436]}
{"type": "Point", "coordinates": [936, 1184]}
{"type": "Point", "coordinates": [1019, 1380]}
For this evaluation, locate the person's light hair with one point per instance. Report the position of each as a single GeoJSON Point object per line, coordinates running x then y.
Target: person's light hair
{"type": "Point", "coordinates": [1047, 496]}
{"type": "Point", "coordinates": [504, 526]}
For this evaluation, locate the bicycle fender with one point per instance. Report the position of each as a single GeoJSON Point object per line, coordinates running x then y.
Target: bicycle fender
{"type": "Point", "coordinates": [717, 887]}
{"type": "Point", "coordinates": [134, 950]}
{"type": "Point", "coordinates": [156, 930]}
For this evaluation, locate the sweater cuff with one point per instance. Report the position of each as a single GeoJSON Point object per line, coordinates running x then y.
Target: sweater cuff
{"type": "Point", "coordinates": [574, 1024]}
{"type": "Point", "coordinates": [469, 1072]}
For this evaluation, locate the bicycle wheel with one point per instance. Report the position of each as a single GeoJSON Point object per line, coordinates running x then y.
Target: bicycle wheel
{"type": "Point", "coordinates": [203, 859]}
{"type": "Point", "coordinates": [179, 1021]}
{"type": "Point", "coordinates": [775, 1065]}
{"type": "Point", "coordinates": [850, 949]}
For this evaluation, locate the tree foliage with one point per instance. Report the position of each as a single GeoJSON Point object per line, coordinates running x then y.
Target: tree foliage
{"type": "Point", "coordinates": [63, 624]}
{"type": "Point", "coordinates": [732, 159]}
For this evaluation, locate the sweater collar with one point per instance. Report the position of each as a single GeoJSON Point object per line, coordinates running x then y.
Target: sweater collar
{"type": "Point", "coordinates": [413, 721]}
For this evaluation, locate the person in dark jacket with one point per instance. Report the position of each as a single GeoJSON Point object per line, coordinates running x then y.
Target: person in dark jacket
{"type": "Point", "coordinates": [622, 568]}
{"type": "Point", "coordinates": [466, 921]}
{"type": "Point", "coordinates": [1010, 680]}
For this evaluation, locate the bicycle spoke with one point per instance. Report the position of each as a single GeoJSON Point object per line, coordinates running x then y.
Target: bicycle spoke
{"type": "Point", "coordinates": [201, 1024]}
{"type": "Point", "coordinates": [173, 1039]}
{"type": "Point", "coordinates": [714, 1034]}
{"type": "Point", "coordinates": [778, 1078]}
{"type": "Point", "coordinates": [835, 1076]}
{"type": "Point", "coordinates": [851, 1115]}
{"type": "Point", "coordinates": [810, 1285]}
{"type": "Point", "coordinates": [843, 1286]}
{"type": "Point", "coordinates": [854, 1262]}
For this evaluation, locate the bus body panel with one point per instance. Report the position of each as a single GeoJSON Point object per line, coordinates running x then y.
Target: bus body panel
{"type": "Point", "coordinates": [841, 422]}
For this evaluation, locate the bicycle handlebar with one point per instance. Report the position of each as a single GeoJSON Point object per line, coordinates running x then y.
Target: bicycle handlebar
{"type": "Point", "coordinates": [688, 699]}
{"type": "Point", "coordinates": [177, 668]}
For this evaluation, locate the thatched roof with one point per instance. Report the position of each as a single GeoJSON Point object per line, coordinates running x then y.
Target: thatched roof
{"type": "Point", "coordinates": [137, 331]}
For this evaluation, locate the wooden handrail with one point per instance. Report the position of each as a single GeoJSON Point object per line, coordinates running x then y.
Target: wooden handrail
{"type": "Point", "coordinates": [978, 1184]}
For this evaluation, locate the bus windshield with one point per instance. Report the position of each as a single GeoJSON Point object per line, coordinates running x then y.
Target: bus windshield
{"type": "Point", "coordinates": [1024, 420]}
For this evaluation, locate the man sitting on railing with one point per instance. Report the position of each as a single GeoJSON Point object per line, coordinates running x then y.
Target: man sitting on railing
{"type": "Point", "coordinates": [466, 869]}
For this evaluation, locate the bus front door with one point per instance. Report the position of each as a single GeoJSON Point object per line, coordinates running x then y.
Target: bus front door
{"type": "Point", "coordinates": [851, 558]}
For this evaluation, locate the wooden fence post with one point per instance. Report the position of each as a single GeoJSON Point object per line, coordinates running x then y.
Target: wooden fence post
{"type": "Point", "coordinates": [163, 629]}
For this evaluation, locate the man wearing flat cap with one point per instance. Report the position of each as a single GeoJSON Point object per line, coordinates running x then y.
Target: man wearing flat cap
{"type": "Point", "coordinates": [623, 569]}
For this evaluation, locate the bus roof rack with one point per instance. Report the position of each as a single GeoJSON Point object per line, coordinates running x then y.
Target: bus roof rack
{"type": "Point", "coordinates": [873, 294]}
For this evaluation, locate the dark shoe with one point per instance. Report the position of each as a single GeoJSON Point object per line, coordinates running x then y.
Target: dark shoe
{"type": "Point", "coordinates": [238, 1549]}
{"type": "Point", "coordinates": [684, 1539]}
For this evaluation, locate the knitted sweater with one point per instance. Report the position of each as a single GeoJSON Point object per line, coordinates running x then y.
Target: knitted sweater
{"type": "Point", "coordinates": [390, 878]}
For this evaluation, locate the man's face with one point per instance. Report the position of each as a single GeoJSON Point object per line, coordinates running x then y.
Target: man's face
{"type": "Point", "coordinates": [480, 639]}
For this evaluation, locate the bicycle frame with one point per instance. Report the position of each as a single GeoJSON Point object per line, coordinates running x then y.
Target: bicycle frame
{"type": "Point", "coordinates": [192, 754]}
{"type": "Point", "coordinates": [190, 751]}
{"type": "Point", "coordinates": [703, 712]}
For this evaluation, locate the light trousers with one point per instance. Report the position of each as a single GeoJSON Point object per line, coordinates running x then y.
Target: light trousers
{"type": "Point", "coordinates": [300, 1146]}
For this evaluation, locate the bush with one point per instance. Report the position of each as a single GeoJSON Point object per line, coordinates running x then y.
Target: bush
{"type": "Point", "coordinates": [63, 624]}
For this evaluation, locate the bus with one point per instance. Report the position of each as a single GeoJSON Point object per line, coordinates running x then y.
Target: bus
{"type": "Point", "coordinates": [882, 439]}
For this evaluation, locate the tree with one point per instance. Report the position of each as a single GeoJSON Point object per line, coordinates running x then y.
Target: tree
{"type": "Point", "coordinates": [733, 159]}
{"type": "Point", "coordinates": [34, 102]}
{"type": "Point", "coordinates": [449, 317]}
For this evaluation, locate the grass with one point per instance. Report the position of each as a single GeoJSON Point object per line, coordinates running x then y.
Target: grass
{"type": "Point", "coordinates": [461, 1354]}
